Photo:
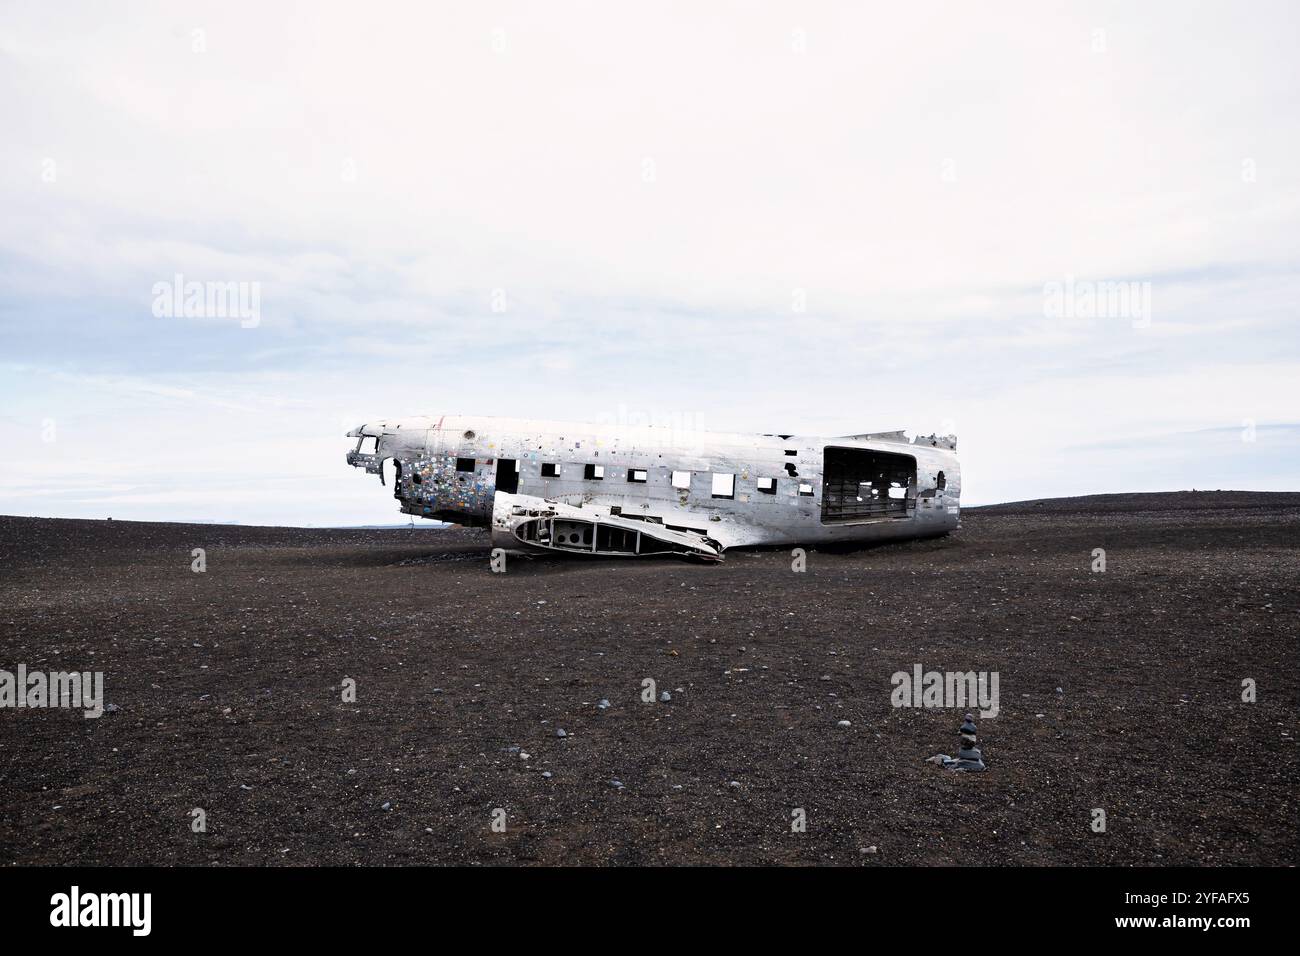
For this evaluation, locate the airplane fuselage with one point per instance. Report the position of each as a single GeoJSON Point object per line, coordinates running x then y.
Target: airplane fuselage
{"type": "Point", "coordinates": [732, 489]}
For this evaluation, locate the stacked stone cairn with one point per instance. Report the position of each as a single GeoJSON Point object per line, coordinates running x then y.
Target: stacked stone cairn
{"type": "Point", "coordinates": [968, 756]}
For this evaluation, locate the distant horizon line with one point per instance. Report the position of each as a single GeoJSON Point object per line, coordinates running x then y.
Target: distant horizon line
{"type": "Point", "coordinates": [429, 524]}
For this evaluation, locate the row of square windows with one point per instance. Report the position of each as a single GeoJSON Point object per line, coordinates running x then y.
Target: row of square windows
{"type": "Point", "coordinates": [724, 484]}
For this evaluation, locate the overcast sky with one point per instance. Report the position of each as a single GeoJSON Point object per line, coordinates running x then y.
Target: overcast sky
{"type": "Point", "coordinates": [814, 218]}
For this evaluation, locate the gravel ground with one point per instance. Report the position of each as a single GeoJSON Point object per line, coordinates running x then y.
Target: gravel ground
{"type": "Point", "coordinates": [226, 689]}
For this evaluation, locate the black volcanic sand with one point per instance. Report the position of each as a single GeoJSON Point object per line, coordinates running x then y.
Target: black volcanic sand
{"type": "Point", "coordinates": [227, 685]}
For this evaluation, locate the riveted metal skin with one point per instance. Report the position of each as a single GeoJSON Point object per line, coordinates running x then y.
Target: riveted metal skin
{"type": "Point", "coordinates": [683, 492]}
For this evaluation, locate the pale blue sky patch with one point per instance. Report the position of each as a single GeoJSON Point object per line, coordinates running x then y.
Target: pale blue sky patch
{"type": "Point", "coordinates": [852, 216]}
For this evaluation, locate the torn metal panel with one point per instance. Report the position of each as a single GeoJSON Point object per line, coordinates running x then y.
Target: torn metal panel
{"type": "Point", "coordinates": [521, 522]}
{"type": "Point", "coordinates": [702, 492]}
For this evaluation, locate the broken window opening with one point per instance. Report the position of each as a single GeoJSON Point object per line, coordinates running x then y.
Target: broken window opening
{"type": "Point", "coordinates": [790, 470]}
{"type": "Point", "coordinates": [860, 484]}
{"type": "Point", "coordinates": [682, 480]}
{"type": "Point", "coordinates": [791, 451]}
{"type": "Point", "coordinates": [508, 475]}
{"type": "Point", "coordinates": [941, 482]}
{"type": "Point", "coordinates": [464, 464]}
{"type": "Point", "coordinates": [724, 486]}
{"type": "Point", "coordinates": [766, 486]}
{"type": "Point", "coordinates": [637, 476]}
{"type": "Point", "coordinates": [550, 469]}
{"type": "Point", "coordinates": [805, 490]}
{"type": "Point", "coordinates": [594, 472]}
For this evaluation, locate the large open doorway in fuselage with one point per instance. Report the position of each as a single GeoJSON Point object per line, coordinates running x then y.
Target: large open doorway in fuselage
{"type": "Point", "coordinates": [859, 484]}
{"type": "Point", "coordinates": [508, 475]}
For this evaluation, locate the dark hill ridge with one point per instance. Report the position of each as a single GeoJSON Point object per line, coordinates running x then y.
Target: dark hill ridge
{"type": "Point", "coordinates": [226, 686]}
{"type": "Point", "coordinates": [1148, 501]}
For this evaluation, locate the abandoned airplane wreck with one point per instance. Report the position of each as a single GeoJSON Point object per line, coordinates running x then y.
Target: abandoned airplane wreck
{"type": "Point", "coordinates": [566, 487]}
